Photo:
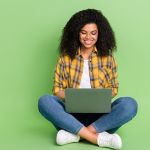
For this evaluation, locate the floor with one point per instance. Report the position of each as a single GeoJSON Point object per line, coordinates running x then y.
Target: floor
{"type": "Point", "coordinates": [28, 130]}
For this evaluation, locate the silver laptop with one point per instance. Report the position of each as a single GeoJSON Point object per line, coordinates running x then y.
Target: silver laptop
{"type": "Point", "coordinates": [88, 100]}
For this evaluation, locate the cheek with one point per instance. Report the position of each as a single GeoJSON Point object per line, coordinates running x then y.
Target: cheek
{"type": "Point", "coordinates": [81, 37]}
{"type": "Point", "coordinates": [95, 37]}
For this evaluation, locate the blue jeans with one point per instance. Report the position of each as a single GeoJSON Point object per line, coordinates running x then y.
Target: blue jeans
{"type": "Point", "coordinates": [53, 109]}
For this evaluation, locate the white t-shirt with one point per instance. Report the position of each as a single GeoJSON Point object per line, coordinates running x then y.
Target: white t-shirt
{"type": "Point", "coordinates": [85, 79]}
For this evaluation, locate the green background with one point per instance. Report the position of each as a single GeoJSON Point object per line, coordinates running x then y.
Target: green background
{"type": "Point", "coordinates": [29, 36]}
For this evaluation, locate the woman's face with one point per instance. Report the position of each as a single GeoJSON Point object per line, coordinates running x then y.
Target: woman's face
{"type": "Point", "coordinates": [88, 35]}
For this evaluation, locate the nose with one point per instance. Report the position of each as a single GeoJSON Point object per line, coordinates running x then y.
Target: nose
{"type": "Point", "coordinates": [87, 36]}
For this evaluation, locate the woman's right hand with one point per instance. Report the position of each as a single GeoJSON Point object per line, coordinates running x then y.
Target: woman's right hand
{"type": "Point", "coordinates": [61, 94]}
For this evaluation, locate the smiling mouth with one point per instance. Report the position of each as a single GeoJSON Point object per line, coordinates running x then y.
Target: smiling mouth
{"type": "Point", "coordinates": [88, 42]}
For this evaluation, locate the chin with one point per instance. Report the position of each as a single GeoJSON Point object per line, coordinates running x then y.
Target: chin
{"type": "Point", "coordinates": [88, 46]}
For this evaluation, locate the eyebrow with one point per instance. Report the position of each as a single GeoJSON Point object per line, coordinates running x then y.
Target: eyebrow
{"type": "Point", "coordinates": [90, 31]}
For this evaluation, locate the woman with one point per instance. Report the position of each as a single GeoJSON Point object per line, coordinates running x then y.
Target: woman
{"type": "Point", "coordinates": [87, 61]}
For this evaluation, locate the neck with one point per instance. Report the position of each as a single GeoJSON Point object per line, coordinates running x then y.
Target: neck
{"type": "Point", "coordinates": [85, 52]}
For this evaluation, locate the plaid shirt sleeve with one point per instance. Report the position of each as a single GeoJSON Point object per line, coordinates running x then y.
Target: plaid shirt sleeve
{"type": "Point", "coordinates": [114, 81]}
{"type": "Point", "coordinates": [59, 82]}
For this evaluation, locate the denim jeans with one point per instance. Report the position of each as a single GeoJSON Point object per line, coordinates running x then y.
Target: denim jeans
{"type": "Point", "coordinates": [52, 108]}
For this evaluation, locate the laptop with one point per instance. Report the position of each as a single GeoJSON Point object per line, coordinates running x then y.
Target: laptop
{"type": "Point", "coordinates": [88, 100]}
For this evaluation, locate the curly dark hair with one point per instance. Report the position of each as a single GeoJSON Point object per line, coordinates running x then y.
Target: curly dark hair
{"type": "Point", "coordinates": [70, 43]}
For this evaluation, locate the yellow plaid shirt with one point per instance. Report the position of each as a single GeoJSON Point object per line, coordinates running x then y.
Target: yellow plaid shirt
{"type": "Point", "coordinates": [102, 72]}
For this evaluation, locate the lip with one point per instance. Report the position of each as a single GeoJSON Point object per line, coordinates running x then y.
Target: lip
{"type": "Point", "coordinates": [88, 42]}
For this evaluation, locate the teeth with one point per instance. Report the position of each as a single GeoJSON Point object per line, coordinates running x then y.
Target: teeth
{"type": "Point", "coordinates": [88, 42]}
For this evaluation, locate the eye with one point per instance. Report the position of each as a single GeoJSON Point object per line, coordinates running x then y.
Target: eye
{"type": "Point", "coordinates": [94, 33]}
{"type": "Point", "coordinates": [83, 32]}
